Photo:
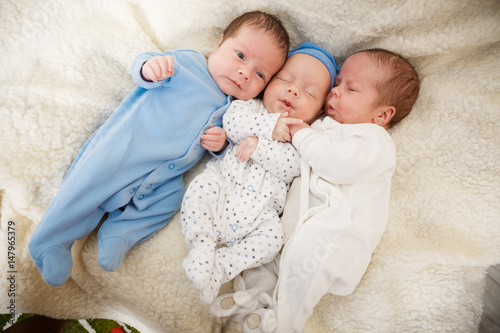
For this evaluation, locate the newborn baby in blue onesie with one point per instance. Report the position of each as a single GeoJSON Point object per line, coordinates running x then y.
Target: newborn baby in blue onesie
{"type": "Point", "coordinates": [132, 166]}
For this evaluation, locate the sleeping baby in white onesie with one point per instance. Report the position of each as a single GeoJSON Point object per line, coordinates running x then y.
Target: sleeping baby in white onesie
{"type": "Point", "coordinates": [230, 212]}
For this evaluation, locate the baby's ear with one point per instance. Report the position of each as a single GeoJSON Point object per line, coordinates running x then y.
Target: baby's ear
{"type": "Point", "coordinates": [218, 43]}
{"type": "Point", "coordinates": [384, 116]}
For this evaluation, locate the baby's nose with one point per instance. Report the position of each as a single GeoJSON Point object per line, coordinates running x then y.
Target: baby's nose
{"type": "Point", "coordinates": [244, 73]}
{"type": "Point", "coordinates": [336, 91]}
{"type": "Point", "coordinates": [294, 91]}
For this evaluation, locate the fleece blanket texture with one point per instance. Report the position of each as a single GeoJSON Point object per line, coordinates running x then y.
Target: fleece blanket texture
{"type": "Point", "coordinates": [65, 67]}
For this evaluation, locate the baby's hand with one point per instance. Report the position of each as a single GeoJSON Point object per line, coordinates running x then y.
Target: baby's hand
{"type": "Point", "coordinates": [158, 68]}
{"type": "Point", "coordinates": [281, 130]}
{"type": "Point", "coordinates": [296, 127]}
{"type": "Point", "coordinates": [247, 148]}
{"type": "Point", "coordinates": [214, 139]}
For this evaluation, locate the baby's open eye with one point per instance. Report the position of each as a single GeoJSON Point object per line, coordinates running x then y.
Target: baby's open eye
{"type": "Point", "coordinates": [260, 75]}
{"type": "Point", "coordinates": [240, 55]}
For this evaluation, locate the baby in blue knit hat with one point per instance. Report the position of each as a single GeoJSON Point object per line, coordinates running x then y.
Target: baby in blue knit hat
{"type": "Point", "coordinates": [231, 211]}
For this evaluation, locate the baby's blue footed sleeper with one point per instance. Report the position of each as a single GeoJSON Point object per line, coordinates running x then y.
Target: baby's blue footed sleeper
{"type": "Point", "coordinates": [131, 167]}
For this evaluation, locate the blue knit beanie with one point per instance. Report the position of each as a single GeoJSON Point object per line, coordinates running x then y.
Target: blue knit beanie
{"type": "Point", "coordinates": [322, 55]}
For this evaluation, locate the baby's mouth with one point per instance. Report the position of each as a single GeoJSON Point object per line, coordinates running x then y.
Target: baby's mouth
{"type": "Point", "coordinates": [286, 104]}
{"type": "Point", "coordinates": [235, 83]}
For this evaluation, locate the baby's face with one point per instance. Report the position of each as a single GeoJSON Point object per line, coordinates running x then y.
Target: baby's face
{"type": "Point", "coordinates": [354, 98]}
{"type": "Point", "coordinates": [243, 64]}
{"type": "Point", "coordinates": [300, 88]}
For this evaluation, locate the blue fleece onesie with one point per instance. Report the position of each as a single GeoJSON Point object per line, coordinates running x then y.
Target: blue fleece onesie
{"type": "Point", "coordinates": [131, 167]}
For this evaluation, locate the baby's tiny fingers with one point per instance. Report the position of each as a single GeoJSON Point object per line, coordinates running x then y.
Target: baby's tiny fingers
{"type": "Point", "coordinates": [149, 73]}
{"type": "Point", "coordinates": [170, 65]}
{"type": "Point", "coordinates": [290, 121]}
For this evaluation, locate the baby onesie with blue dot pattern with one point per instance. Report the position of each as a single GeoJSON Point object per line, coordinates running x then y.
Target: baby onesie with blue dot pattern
{"type": "Point", "coordinates": [230, 212]}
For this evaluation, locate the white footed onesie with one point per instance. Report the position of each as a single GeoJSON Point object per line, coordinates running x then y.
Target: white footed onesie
{"type": "Point", "coordinates": [343, 195]}
{"type": "Point", "coordinates": [230, 212]}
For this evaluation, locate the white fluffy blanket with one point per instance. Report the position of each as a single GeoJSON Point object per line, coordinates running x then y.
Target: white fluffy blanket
{"type": "Point", "coordinates": [64, 67]}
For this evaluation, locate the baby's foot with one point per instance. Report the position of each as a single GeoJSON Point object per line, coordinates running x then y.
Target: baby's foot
{"type": "Point", "coordinates": [110, 253]}
{"type": "Point", "coordinates": [240, 303]}
{"type": "Point", "coordinates": [198, 266]}
{"type": "Point", "coordinates": [210, 291]}
{"type": "Point", "coordinates": [263, 321]}
{"type": "Point", "coordinates": [223, 306]}
{"type": "Point", "coordinates": [239, 283]}
{"type": "Point", "coordinates": [55, 265]}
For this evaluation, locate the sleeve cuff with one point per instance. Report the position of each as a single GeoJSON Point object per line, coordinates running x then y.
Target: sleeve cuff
{"type": "Point", "coordinates": [300, 136]}
{"type": "Point", "coordinates": [222, 152]}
